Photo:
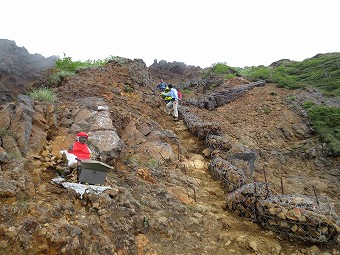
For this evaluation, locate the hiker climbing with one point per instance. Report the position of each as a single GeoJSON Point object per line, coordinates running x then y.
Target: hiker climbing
{"type": "Point", "coordinates": [166, 99]}
{"type": "Point", "coordinates": [161, 85]}
{"type": "Point", "coordinates": [173, 104]}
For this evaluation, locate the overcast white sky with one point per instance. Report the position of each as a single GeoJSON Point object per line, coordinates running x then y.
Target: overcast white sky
{"type": "Point", "coordinates": [196, 32]}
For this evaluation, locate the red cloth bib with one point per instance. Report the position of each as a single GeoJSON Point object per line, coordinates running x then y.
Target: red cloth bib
{"type": "Point", "coordinates": [80, 150]}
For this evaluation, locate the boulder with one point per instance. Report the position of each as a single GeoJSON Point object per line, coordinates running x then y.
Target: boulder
{"type": "Point", "coordinates": [157, 150]}
{"type": "Point", "coordinates": [108, 143]}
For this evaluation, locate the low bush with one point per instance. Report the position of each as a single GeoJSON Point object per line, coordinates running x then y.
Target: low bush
{"type": "Point", "coordinates": [127, 88]}
{"type": "Point", "coordinates": [326, 123]}
{"type": "Point", "coordinates": [43, 95]}
{"type": "Point", "coordinates": [67, 67]}
{"type": "Point", "coordinates": [221, 68]}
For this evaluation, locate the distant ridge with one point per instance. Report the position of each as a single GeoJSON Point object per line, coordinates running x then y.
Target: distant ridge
{"type": "Point", "coordinates": [19, 69]}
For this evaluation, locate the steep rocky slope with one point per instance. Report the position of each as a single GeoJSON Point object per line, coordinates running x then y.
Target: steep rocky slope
{"type": "Point", "coordinates": [19, 69]}
{"type": "Point", "coordinates": [163, 200]}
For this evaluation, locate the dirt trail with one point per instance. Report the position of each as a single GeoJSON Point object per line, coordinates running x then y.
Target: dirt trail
{"type": "Point", "coordinates": [210, 193]}
{"type": "Point", "coordinates": [237, 236]}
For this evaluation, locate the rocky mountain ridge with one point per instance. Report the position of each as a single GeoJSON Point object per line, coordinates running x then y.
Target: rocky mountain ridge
{"type": "Point", "coordinates": [19, 69]}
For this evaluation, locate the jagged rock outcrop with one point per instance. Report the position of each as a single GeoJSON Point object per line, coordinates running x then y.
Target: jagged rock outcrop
{"type": "Point", "coordinates": [174, 72]}
{"type": "Point", "coordinates": [213, 100]}
{"type": "Point", "coordinates": [25, 126]}
{"type": "Point", "coordinates": [19, 69]}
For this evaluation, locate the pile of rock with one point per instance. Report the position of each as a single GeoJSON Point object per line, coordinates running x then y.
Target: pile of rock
{"type": "Point", "coordinates": [197, 126]}
{"type": "Point", "coordinates": [231, 176]}
{"type": "Point", "coordinates": [299, 216]}
{"type": "Point", "coordinates": [217, 99]}
{"type": "Point", "coordinates": [218, 142]}
{"type": "Point", "coordinates": [243, 201]}
{"type": "Point", "coordinates": [50, 161]}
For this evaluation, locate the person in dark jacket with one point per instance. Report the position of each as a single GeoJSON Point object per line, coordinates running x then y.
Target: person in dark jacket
{"type": "Point", "coordinates": [161, 85]}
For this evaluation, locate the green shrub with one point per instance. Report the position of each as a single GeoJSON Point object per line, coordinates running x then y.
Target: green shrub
{"type": "Point", "coordinates": [212, 86]}
{"type": "Point", "coordinates": [308, 104]}
{"type": "Point", "coordinates": [43, 95]}
{"type": "Point", "coordinates": [293, 147]}
{"type": "Point", "coordinates": [267, 110]}
{"type": "Point", "coordinates": [292, 98]}
{"type": "Point", "coordinates": [221, 68]}
{"type": "Point", "coordinates": [257, 73]}
{"type": "Point", "coordinates": [68, 65]}
{"type": "Point", "coordinates": [326, 123]}
{"type": "Point", "coordinates": [57, 77]}
{"type": "Point", "coordinates": [229, 76]}
{"type": "Point", "coordinates": [127, 88]}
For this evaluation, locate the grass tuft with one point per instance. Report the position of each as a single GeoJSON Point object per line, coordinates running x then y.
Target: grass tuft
{"type": "Point", "coordinates": [43, 94]}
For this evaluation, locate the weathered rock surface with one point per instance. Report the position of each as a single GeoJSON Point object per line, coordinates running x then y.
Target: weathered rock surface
{"type": "Point", "coordinates": [19, 69]}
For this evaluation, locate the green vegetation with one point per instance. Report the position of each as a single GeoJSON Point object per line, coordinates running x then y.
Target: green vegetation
{"type": "Point", "coordinates": [43, 94]}
{"type": "Point", "coordinates": [58, 76]}
{"type": "Point", "coordinates": [266, 110]}
{"type": "Point", "coordinates": [256, 73]}
{"type": "Point", "coordinates": [67, 67]}
{"type": "Point", "coordinates": [293, 147]}
{"type": "Point", "coordinates": [229, 76]}
{"type": "Point", "coordinates": [153, 163]}
{"type": "Point", "coordinates": [221, 68]}
{"type": "Point", "coordinates": [292, 98]}
{"type": "Point", "coordinates": [322, 71]}
{"type": "Point", "coordinates": [4, 132]}
{"type": "Point", "coordinates": [23, 204]}
{"type": "Point", "coordinates": [186, 91]}
{"type": "Point", "coordinates": [326, 122]}
{"type": "Point", "coordinates": [127, 88]}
